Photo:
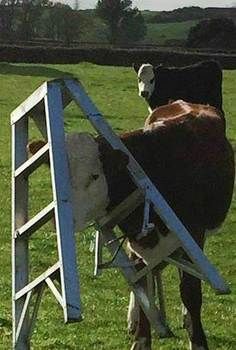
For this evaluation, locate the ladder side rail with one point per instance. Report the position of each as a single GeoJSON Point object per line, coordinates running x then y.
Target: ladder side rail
{"type": "Point", "coordinates": [39, 117]}
{"type": "Point", "coordinates": [20, 250]}
{"type": "Point", "coordinates": [144, 183]}
{"type": "Point", "coordinates": [63, 209]}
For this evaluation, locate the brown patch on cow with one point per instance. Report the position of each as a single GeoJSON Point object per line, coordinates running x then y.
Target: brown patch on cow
{"type": "Point", "coordinates": [179, 111]}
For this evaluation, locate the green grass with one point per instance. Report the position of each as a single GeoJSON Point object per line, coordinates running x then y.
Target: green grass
{"type": "Point", "coordinates": [104, 299]}
{"type": "Point", "coordinates": [159, 33]}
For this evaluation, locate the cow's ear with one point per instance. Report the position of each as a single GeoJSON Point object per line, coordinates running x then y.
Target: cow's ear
{"type": "Point", "coordinates": [159, 66]}
{"type": "Point", "coordinates": [136, 67]}
{"type": "Point", "coordinates": [34, 146]}
{"type": "Point", "coordinates": [119, 159]}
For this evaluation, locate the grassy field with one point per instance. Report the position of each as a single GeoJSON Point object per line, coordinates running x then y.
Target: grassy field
{"type": "Point", "coordinates": [158, 33]}
{"type": "Point", "coordinates": [104, 299]}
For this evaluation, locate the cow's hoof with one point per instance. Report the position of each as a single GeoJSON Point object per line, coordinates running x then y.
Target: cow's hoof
{"type": "Point", "coordinates": [141, 344]}
{"type": "Point", "coordinates": [187, 324]}
{"type": "Point", "coordinates": [193, 346]}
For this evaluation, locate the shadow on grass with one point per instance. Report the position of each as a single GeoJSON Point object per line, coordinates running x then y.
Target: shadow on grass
{"type": "Point", "coordinates": [222, 342]}
{"type": "Point", "coordinates": [32, 70]}
{"type": "Point", "coordinates": [4, 322]}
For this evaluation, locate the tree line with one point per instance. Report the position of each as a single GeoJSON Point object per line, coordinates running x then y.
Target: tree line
{"type": "Point", "coordinates": [112, 21]}
{"type": "Point", "coordinates": [29, 19]}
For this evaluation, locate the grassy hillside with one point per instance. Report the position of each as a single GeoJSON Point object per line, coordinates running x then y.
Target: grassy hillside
{"type": "Point", "coordinates": [162, 32]}
{"type": "Point", "coordinates": [162, 26]}
{"type": "Point", "coordinates": [105, 299]}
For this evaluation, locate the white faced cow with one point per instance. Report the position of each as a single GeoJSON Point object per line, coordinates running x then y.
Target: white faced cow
{"type": "Point", "coordinates": [189, 159]}
{"type": "Point", "coordinates": [197, 83]}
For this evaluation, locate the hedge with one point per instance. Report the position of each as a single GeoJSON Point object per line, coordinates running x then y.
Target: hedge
{"type": "Point", "coordinates": [106, 56]}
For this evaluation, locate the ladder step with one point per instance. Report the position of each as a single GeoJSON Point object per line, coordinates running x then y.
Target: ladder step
{"type": "Point", "coordinates": [30, 104]}
{"type": "Point", "coordinates": [36, 222]}
{"type": "Point", "coordinates": [51, 272]}
{"type": "Point", "coordinates": [33, 162]}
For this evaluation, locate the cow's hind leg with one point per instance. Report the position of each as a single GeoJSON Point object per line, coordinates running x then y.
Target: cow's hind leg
{"type": "Point", "coordinates": [191, 294]}
{"type": "Point", "coordinates": [133, 313]}
{"type": "Point", "coordinates": [142, 336]}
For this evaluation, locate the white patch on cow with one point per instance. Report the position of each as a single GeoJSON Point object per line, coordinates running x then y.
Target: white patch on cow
{"type": "Point", "coordinates": [140, 344]}
{"type": "Point", "coordinates": [88, 182]}
{"type": "Point", "coordinates": [146, 80]}
{"type": "Point", "coordinates": [133, 313]}
{"type": "Point", "coordinates": [193, 346]}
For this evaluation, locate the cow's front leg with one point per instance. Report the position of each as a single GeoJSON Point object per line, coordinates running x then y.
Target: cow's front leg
{"type": "Point", "coordinates": [142, 336]}
{"type": "Point", "coordinates": [138, 324]}
{"type": "Point", "coordinates": [191, 294]}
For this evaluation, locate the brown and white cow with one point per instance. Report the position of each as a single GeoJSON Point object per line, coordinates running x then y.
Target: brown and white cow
{"type": "Point", "coordinates": [189, 159]}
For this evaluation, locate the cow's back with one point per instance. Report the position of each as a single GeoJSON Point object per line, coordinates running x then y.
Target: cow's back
{"type": "Point", "coordinates": [199, 83]}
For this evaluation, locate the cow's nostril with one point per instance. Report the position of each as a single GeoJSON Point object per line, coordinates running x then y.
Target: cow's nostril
{"type": "Point", "coordinates": [144, 94]}
{"type": "Point", "coordinates": [95, 177]}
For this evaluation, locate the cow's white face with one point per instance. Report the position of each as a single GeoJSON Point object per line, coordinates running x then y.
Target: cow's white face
{"type": "Point", "coordinates": [146, 80]}
{"type": "Point", "coordinates": [88, 182]}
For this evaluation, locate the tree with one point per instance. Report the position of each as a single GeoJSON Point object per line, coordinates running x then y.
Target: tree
{"type": "Point", "coordinates": [124, 22]}
{"type": "Point", "coordinates": [29, 17]}
{"type": "Point", "coordinates": [7, 18]}
{"type": "Point", "coordinates": [213, 33]}
{"type": "Point", "coordinates": [63, 23]}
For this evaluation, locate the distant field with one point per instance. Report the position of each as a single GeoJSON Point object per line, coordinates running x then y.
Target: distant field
{"type": "Point", "coordinates": [105, 299]}
{"type": "Point", "coordinates": [159, 33]}
{"type": "Point", "coordinates": [156, 33]}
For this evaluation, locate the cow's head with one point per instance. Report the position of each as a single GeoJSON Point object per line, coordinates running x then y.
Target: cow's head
{"type": "Point", "coordinates": [89, 187]}
{"type": "Point", "coordinates": [146, 79]}
{"type": "Point", "coordinates": [89, 195]}
{"type": "Point", "coordinates": [88, 183]}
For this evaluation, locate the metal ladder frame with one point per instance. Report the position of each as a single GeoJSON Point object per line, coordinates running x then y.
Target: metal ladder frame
{"type": "Point", "coordinates": [49, 101]}
{"type": "Point", "coordinates": [46, 107]}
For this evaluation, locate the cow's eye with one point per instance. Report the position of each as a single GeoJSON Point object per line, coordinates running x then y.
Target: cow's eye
{"type": "Point", "coordinates": [152, 81]}
{"type": "Point", "coordinates": [95, 177]}
{"type": "Point", "coordinates": [139, 80]}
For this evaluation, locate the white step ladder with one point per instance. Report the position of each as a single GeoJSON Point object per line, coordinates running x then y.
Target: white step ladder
{"type": "Point", "coordinates": [46, 107]}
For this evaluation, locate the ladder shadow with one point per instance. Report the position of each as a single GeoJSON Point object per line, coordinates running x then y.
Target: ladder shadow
{"type": "Point", "coordinates": [32, 70]}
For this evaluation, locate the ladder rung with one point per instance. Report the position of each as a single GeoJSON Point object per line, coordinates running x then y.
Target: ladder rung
{"type": "Point", "coordinates": [33, 162]}
{"type": "Point", "coordinates": [185, 266]}
{"type": "Point", "coordinates": [29, 104]}
{"type": "Point", "coordinates": [36, 222]}
{"type": "Point", "coordinates": [51, 272]}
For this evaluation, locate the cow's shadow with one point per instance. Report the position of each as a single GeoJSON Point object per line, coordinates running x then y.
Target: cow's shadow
{"type": "Point", "coordinates": [32, 70]}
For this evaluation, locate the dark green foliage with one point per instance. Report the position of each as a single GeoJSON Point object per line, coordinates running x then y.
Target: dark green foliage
{"type": "Point", "coordinates": [26, 20]}
{"type": "Point", "coordinates": [106, 56]}
{"type": "Point", "coordinates": [62, 23]}
{"type": "Point", "coordinates": [213, 33]}
{"type": "Point", "coordinates": [132, 26]}
{"type": "Point", "coordinates": [191, 13]}
{"type": "Point", "coordinates": [124, 22]}
{"type": "Point", "coordinates": [178, 15]}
